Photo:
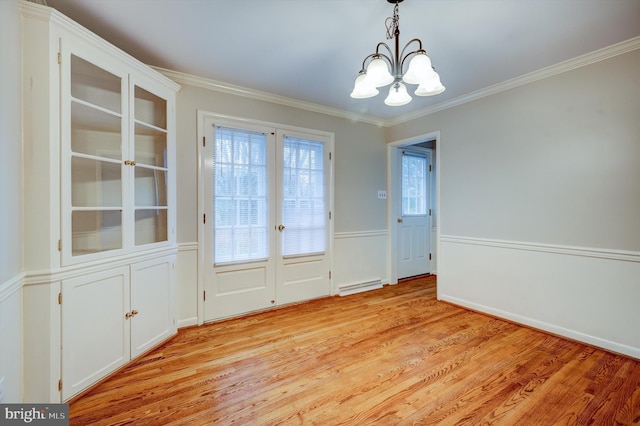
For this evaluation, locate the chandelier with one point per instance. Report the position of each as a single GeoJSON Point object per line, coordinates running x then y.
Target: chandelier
{"type": "Point", "coordinates": [376, 73]}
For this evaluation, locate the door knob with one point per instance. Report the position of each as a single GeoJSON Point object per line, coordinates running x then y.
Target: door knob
{"type": "Point", "coordinates": [281, 228]}
{"type": "Point", "coordinates": [399, 220]}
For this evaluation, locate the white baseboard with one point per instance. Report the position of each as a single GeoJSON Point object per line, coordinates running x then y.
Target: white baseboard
{"type": "Point", "coordinates": [347, 289]}
{"type": "Point", "coordinates": [583, 293]}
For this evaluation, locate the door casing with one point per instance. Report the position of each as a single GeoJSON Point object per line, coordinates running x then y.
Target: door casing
{"type": "Point", "coordinates": [394, 196]}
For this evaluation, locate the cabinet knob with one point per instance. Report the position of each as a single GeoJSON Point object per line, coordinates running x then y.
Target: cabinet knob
{"type": "Point", "coordinates": [128, 315]}
{"type": "Point", "coordinates": [134, 312]}
{"type": "Point", "coordinates": [281, 228]}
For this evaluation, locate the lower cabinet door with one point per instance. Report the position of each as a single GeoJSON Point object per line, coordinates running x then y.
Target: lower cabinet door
{"type": "Point", "coordinates": [152, 302]}
{"type": "Point", "coordinates": [95, 332]}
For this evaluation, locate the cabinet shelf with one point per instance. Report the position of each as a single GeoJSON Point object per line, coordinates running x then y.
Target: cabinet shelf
{"type": "Point", "coordinates": [143, 128]}
{"type": "Point", "coordinates": [150, 167]}
{"type": "Point", "coordinates": [96, 157]}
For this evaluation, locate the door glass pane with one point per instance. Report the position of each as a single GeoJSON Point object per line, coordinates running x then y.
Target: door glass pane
{"type": "Point", "coordinates": [240, 196]}
{"type": "Point", "coordinates": [95, 183]}
{"type": "Point", "coordinates": [414, 191]}
{"type": "Point", "coordinates": [150, 109]}
{"type": "Point", "coordinates": [303, 204]}
{"type": "Point", "coordinates": [94, 85]}
{"type": "Point", "coordinates": [151, 226]}
{"type": "Point", "coordinates": [95, 231]}
{"type": "Point", "coordinates": [150, 187]}
{"type": "Point", "coordinates": [95, 132]}
{"type": "Point", "coordinates": [150, 146]}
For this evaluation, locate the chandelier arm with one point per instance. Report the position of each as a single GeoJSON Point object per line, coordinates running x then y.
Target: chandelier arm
{"type": "Point", "coordinates": [364, 61]}
{"type": "Point", "coordinates": [386, 47]}
{"type": "Point", "coordinates": [390, 58]}
{"type": "Point", "coordinates": [410, 54]}
{"type": "Point", "coordinates": [408, 44]}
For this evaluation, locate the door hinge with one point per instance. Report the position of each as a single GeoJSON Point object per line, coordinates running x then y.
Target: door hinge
{"type": "Point", "coordinates": [430, 167]}
{"type": "Point", "coordinates": [204, 296]}
{"type": "Point", "coordinates": [429, 256]}
{"type": "Point", "coordinates": [330, 156]}
{"type": "Point", "coordinates": [203, 138]}
{"type": "Point", "coordinates": [329, 215]}
{"type": "Point", "coordinates": [329, 274]}
{"type": "Point", "coordinates": [60, 385]}
{"type": "Point", "coordinates": [59, 58]}
{"type": "Point", "coordinates": [204, 218]}
{"type": "Point", "coordinates": [429, 212]}
{"type": "Point", "coordinates": [59, 245]}
{"type": "Point", "coordinates": [59, 298]}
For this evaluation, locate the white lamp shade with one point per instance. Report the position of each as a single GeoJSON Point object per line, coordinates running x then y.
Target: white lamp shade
{"type": "Point", "coordinates": [378, 73]}
{"type": "Point", "coordinates": [431, 87]}
{"type": "Point", "coordinates": [420, 69]}
{"type": "Point", "coordinates": [398, 95]}
{"type": "Point", "coordinates": [363, 88]}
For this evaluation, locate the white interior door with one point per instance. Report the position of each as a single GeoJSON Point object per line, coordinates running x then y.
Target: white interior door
{"type": "Point", "coordinates": [414, 213]}
{"type": "Point", "coordinates": [266, 218]}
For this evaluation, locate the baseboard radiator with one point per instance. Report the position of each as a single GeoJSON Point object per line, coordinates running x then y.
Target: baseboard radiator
{"type": "Point", "coordinates": [347, 289]}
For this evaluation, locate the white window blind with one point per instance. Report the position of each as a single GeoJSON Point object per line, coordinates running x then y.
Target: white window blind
{"type": "Point", "coordinates": [240, 196]}
{"type": "Point", "coordinates": [303, 201]}
{"type": "Point", "coordinates": [414, 191]}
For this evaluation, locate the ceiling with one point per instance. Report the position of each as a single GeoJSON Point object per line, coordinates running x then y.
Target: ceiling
{"type": "Point", "coordinates": [312, 50]}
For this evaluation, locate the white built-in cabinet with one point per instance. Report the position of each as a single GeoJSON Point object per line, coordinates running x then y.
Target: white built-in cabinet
{"type": "Point", "coordinates": [100, 243]}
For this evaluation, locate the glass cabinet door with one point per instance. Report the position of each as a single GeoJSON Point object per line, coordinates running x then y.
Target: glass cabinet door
{"type": "Point", "coordinates": [151, 169]}
{"type": "Point", "coordinates": [96, 142]}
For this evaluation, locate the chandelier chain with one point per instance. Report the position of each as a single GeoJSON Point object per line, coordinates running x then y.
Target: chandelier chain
{"type": "Point", "coordinates": [391, 23]}
{"type": "Point", "coordinates": [386, 66]}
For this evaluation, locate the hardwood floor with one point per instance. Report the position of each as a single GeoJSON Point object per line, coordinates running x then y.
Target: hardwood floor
{"type": "Point", "coordinates": [386, 357]}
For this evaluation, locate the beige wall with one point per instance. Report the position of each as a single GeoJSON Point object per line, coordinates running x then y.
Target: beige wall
{"type": "Point", "coordinates": [360, 157]}
{"type": "Point", "coordinates": [10, 202]}
{"type": "Point", "coordinates": [556, 161]}
{"type": "Point", "coordinates": [540, 202]}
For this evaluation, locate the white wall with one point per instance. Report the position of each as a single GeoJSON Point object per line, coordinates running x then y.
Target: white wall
{"type": "Point", "coordinates": [10, 202]}
{"type": "Point", "coordinates": [540, 203]}
{"type": "Point", "coordinates": [359, 170]}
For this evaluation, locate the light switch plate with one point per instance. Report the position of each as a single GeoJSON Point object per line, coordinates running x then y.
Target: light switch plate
{"type": "Point", "coordinates": [382, 194]}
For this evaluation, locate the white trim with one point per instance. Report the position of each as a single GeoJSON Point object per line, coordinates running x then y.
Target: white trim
{"type": "Point", "coordinates": [545, 326]}
{"type": "Point", "coordinates": [187, 322]}
{"type": "Point", "coordinates": [348, 289]}
{"type": "Point", "coordinates": [220, 86]}
{"type": "Point", "coordinates": [49, 276]}
{"type": "Point", "coordinates": [601, 253]}
{"type": "Point", "coordinates": [571, 64]}
{"type": "Point", "coordinates": [190, 246]}
{"type": "Point", "coordinates": [11, 286]}
{"type": "Point", "coordinates": [550, 71]}
{"type": "Point", "coordinates": [360, 234]}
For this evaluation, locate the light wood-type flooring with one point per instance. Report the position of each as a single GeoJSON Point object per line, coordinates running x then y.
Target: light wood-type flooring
{"type": "Point", "coordinates": [392, 356]}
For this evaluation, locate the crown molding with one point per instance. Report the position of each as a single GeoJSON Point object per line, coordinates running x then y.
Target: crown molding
{"type": "Point", "coordinates": [562, 67]}
{"type": "Point", "coordinates": [220, 86]}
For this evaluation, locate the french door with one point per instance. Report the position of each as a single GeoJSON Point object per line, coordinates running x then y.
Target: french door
{"type": "Point", "coordinates": [266, 217]}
